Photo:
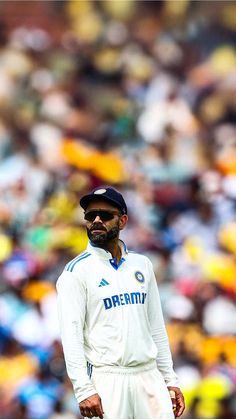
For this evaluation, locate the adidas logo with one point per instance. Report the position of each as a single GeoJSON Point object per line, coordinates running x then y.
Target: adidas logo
{"type": "Point", "coordinates": [103, 283]}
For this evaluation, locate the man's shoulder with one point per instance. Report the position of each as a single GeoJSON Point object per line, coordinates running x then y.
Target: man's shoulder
{"type": "Point", "coordinates": [78, 261]}
{"type": "Point", "coordinates": [138, 256]}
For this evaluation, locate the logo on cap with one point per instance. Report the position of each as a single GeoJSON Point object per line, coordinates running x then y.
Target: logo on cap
{"type": "Point", "coordinates": [100, 191]}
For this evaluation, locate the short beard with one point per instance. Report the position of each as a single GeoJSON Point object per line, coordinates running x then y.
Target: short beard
{"type": "Point", "coordinates": [104, 238]}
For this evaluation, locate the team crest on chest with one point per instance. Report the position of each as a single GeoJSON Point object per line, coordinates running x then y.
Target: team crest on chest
{"type": "Point", "coordinates": [139, 276]}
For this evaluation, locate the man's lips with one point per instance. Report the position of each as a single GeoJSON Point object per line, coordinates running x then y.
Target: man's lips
{"type": "Point", "coordinates": [98, 230]}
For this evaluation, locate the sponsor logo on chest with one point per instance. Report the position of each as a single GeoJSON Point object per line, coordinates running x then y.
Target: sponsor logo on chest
{"type": "Point", "coordinates": [124, 299]}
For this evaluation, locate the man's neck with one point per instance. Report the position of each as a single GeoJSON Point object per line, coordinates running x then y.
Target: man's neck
{"type": "Point", "coordinates": [114, 248]}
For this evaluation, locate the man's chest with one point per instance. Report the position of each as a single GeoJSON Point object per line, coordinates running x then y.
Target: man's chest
{"type": "Point", "coordinates": [109, 287]}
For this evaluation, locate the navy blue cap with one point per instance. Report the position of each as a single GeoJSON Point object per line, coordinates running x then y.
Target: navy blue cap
{"type": "Point", "coordinates": [107, 193]}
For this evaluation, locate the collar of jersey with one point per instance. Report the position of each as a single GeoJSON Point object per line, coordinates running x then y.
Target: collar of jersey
{"type": "Point", "coordinates": [91, 248]}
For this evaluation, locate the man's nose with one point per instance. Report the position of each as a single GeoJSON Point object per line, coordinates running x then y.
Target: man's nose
{"type": "Point", "coordinates": [97, 219]}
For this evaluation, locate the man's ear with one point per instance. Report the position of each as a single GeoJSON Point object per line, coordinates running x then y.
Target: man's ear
{"type": "Point", "coordinates": [123, 221]}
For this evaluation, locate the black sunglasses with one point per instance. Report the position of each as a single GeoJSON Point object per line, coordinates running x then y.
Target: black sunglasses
{"type": "Point", "coordinates": [104, 215]}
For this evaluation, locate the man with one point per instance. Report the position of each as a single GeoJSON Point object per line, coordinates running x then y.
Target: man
{"type": "Point", "coordinates": [113, 334]}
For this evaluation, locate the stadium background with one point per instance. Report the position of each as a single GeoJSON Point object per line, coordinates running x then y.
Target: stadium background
{"type": "Point", "coordinates": [140, 95]}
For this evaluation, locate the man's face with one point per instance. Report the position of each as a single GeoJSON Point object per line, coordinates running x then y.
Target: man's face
{"type": "Point", "coordinates": [100, 230]}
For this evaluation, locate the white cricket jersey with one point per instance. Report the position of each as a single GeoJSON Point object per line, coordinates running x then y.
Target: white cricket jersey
{"type": "Point", "coordinates": [111, 315]}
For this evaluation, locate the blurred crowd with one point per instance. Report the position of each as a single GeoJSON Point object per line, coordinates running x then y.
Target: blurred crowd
{"type": "Point", "coordinates": [140, 95]}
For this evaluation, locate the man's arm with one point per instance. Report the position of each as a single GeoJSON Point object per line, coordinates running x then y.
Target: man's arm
{"type": "Point", "coordinates": [71, 314]}
{"type": "Point", "coordinates": [159, 334]}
